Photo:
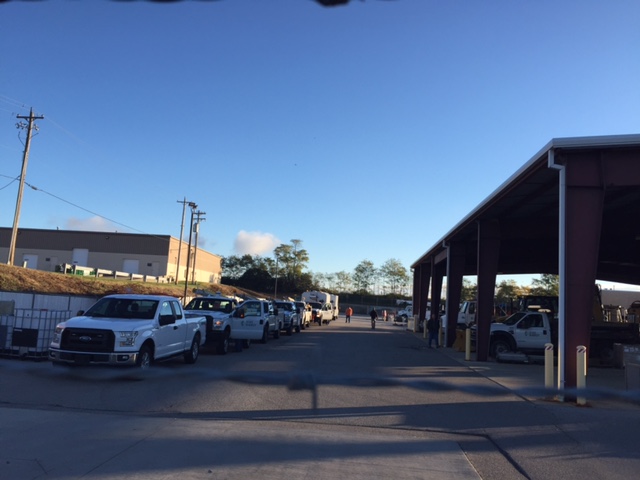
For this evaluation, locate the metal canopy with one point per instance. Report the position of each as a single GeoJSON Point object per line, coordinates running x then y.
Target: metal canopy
{"type": "Point", "coordinates": [527, 209]}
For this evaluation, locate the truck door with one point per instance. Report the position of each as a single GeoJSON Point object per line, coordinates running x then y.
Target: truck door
{"type": "Point", "coordinates": [247, 321]}
{"type": "Point", "coordinates": [531, 333]}
{"type": "Point", "coordinates": [171, 332]}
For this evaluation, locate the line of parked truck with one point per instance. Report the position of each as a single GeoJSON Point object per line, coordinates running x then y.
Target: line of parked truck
{"type": "Point", "coordinates": [137, 330]}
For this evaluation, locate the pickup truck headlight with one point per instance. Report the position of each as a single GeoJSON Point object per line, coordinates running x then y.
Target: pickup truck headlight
{"type": "Point", "coordinates": [127, 339]}
{"type": "Point", "coordinates": [218, 323]}
{"type": "Point", "coordinates": [57, 334]}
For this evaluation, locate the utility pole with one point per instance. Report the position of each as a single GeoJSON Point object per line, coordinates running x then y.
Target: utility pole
{"type": "Point", "coordinates": [184, 208]}
{"type": "Point", "coordinates": [186, 277]}
{"type": "Point", "coordinates": [25, 159]}
{"type": "Point", "coordinates": [195, 251]}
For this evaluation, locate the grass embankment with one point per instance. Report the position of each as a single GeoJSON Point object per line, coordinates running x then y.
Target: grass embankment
{"type": "Point", "coordinates": [18, 279]}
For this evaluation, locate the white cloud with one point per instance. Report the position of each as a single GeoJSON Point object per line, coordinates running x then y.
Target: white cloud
{"type": "Point", "coordinates": [254, 243]}
{"type": "Point", "coordinates": [93, 224]}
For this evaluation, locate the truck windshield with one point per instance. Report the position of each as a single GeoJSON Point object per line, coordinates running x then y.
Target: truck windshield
{"type": "Point", "coordinates": [515, 318]}
{"type": "Point", "coordinates": [211, 304]}
{"type": "Point", "coordinates": [124, 308]}
{"type": "Point", "coordinates": [285, 306]}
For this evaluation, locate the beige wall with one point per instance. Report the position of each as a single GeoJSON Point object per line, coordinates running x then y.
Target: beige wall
{"type": "Point", "coordinates": [110, 251]}
{"type": "Point", "coordinates": [207, 269]}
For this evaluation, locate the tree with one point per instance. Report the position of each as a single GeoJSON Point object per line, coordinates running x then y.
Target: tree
{"type": "Point", "coordinates": [291, 260]}
{"type": "Point", "coordinates": [394, 275]}
{"type": "Point", "coordinates": [319, 280]}
{"type": "Point", "coordinates": [343, 281]}
{"type": "Point", "coordinates": [508, 290]}
{"type": "Point", "coordinates": [548, 284]}
{"type": "Point", "coordinates": [364, 276]}
{"type": "Point", "coordinates": [234, 266]}
{"type": "Point", "coordinates": [469, 290]}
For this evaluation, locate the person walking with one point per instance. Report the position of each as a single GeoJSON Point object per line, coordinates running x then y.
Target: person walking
{"type": "Point", "coordinates": [374, 315]}
{"type": "Point", "coordinates": [432, 328]}
{"type": "Point", "coordinates": [347, 315]}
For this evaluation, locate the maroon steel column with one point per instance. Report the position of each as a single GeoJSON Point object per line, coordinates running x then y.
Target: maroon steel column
{"type": "Point", "coordinates": [416, 286]}
{"type": "Point", "coordinates": [425, 279]}
{"type": "Point", "coordinates": [437, 273]}
{"type": "Point", "coordinates": [488, 256]}
{"type": "Point", "coordinates": [584, 206]}
{"type": "Point", "coordinates": [455, 272]}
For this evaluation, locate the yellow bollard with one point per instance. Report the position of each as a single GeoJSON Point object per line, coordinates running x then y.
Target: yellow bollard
{"type": "Point", "coordinates": [581, 374]}
{"type": "Point", "coordinates": [548, 366]}
{"type": "Point", "coordinates": [467, 344]}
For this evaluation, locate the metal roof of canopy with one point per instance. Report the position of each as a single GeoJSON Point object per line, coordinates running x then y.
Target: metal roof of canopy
{"type": "Point", "coordinates": [527, 208]}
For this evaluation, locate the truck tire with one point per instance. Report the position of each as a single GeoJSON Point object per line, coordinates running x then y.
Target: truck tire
{"type": "Point", "coordinates": [265, 334]}
{"type": "Point", "coordinates": [223, 345]}
{"type": "Point", "coordinates": [605, 353]}
{"type": "Point", "coordinates": [498, 346]}
{"type": "Point", "coordinates": [191, 355]}
{"type": "Point", "coordinates": [145, 357]}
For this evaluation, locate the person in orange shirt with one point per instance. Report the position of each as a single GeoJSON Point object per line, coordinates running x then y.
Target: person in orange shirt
{"type": "Point", "coordinates": [347, 315]}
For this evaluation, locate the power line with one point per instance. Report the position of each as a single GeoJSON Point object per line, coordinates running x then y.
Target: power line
{"type": "Point", "coordinates": [33, 187]}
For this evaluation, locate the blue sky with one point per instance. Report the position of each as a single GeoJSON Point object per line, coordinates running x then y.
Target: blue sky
{"type": "Point", "coordinates": [367, 131]}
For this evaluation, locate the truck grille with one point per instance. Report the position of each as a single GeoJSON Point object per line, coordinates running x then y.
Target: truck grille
{"type": "Point", "coordinates": [87, 340]}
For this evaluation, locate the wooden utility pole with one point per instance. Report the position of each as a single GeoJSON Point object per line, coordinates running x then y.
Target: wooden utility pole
{"type": "Point", "coordinates": [25, 159]}
{"type": "Point", "coordinates": [195, 251]}
{"type": "Point", "coordinates": [186, 277]}
{"type": "Point", "coordinates": [184, 207]}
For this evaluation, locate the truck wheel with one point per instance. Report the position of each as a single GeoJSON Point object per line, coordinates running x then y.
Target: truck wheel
{"type": "Point", "coordinates": [191, 355]}
{"type": "Point", "coordinates": [265, 334]}
{"type": "Point", "coordinates": [605, 353]}
{"type": "Point", "coordinates": [499, 346]}
{"type": "Point", "coordinates": [145, 357]}
{"type": "Point", "coordinates": [223, 345]}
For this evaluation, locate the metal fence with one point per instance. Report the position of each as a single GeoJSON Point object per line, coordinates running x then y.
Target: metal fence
{"type": "Point", "coordinates": [28, 332]}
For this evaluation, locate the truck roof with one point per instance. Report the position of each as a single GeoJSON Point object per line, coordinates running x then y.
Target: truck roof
{"type": "Point", "coordinates": [138, 296]}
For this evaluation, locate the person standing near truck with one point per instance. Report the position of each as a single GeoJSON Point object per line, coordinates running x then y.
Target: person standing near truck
{"type": "Point", "coordinates": [432, 328]}
{"type": "Point", "coordinates": [347, 315]}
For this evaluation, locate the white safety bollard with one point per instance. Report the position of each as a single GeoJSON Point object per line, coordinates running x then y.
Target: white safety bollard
{"type": "Point", "coordinates": [467, 344]}
{"type": "Point", "coordinates": [548, 366]}
{"type": "Point", "coordinates": [581, 373]}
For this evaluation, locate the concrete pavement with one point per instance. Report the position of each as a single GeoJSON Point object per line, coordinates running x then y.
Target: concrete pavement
{"type": "Point", "coordinates": [602, 439]}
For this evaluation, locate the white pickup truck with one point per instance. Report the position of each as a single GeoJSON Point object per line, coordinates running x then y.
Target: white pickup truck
{"type": "Point", "coordinates": [254, 320]}
{"type": "Point", "coordinates": [529, 331]}
{"type": "Point", "coordinates": [216, 309]}
{"type": "Point", "coordinates": [133, 330]}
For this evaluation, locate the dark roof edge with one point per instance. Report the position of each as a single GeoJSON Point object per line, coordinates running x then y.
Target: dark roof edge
{"type": "Point", "coordinates": [567, 142]}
